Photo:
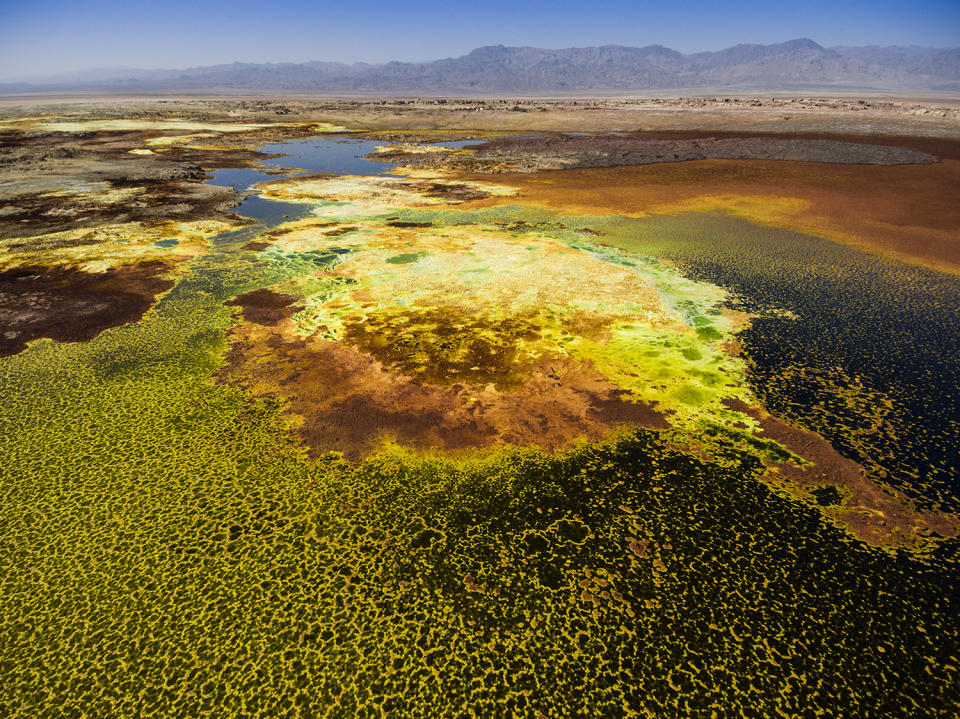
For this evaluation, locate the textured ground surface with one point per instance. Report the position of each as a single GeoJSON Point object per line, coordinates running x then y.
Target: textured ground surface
{"type": "Point", "coordinates": [563, 151]}
{"type": "Point", "coordinates": [670, 440]}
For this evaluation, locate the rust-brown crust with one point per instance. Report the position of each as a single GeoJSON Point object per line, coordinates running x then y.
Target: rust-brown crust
{"type": "Point", "coordinates": [350, 402]}
{"type": "Point", "coordinates": [876, 514]}
{"type": "Point", "coordinates": [70, 305]}
{"type": "Point", "coordinates": [901, 211]}
{"type": "Point", "coordinates": [264, 307]}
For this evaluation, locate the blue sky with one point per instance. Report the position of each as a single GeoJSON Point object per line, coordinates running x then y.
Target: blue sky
{"type": "Point", "coordinates": [52, 36]}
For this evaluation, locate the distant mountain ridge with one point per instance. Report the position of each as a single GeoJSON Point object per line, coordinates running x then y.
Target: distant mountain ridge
{"type": "Point", "coordinates": [797, 64]}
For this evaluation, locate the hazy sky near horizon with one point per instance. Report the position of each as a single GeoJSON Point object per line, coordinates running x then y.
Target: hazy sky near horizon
{"type": "Point", "coordinates": [40, 37]}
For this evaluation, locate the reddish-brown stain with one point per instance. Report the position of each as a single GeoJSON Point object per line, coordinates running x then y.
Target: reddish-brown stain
{"type": "Point", "coordinates": [70, 305]}
{"type": "Point", "coordinates": [265, 307]}
{"type": "Point", "coordinates": [874, 513]}
{"type": "Point", "coordinates": [350, 402]}
{"type": "Point", "coordinates": [908, 211]}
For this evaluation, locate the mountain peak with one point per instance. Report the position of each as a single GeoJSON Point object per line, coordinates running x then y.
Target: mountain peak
{"type": "Point", "coordinates": [802, 43]}
{"type": "Point", "coordinates": [490, 51]}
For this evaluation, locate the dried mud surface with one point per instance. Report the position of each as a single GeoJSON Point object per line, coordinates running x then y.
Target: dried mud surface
{"type": "Point", "coordinates": [553, 152]}
{"type": "Point", "coordinates": [56, 181]}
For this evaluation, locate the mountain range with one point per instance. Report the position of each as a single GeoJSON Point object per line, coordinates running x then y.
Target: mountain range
{"type": "Point", "coordinates": [799, 64]}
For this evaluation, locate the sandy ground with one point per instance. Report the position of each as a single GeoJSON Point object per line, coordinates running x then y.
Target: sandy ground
{"type": "Point", "coordinates": [931, 117]}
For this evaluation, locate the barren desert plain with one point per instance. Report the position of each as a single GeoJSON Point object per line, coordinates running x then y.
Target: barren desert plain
{"type": "Point", "coordinates": [454, 407]}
